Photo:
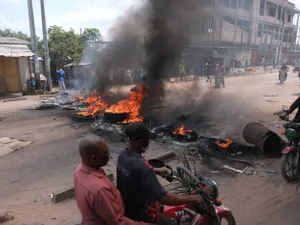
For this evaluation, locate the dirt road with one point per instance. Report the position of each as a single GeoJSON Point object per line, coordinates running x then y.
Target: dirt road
{"type": "Point", "coordinates": [28, 176]}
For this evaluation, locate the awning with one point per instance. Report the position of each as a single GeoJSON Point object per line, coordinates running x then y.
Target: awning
{"type": "Point", "coordinates": [8, 50]}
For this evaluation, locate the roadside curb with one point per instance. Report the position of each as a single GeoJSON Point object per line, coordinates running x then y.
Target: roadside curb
{"type": "Point", "coordinates": [69, 193]}
{"type": "Point", "coordinates": [62, 196]}
{"type": "Point", "coordinates": [14, 99]}
{"type": "Point", "coordinates": [167, 156]}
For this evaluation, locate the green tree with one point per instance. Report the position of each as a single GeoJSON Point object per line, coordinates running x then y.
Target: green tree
{"type": "Point", "coordinates": [64, 46]}
{"type": "Point", "coordinates": [92, 34]}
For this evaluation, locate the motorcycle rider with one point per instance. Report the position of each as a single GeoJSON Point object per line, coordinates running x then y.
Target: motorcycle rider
{"type": "Point", "coordinates": [295, 105]}
{"type": "Point", "coordinates": [220, 69]}
{"type": "Point", "coordinates": [284, 69]}
{"type": "Point", "coordinates": [138, 184]}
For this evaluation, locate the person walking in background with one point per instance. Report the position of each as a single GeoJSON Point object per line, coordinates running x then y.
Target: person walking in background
{"type": "Point", "coordinates": [207, 71]}
{"type": "Point", "coordinates": [182, 71]}
{"type": "Point", "coordinates": [61, 79]}
{"type": "Point", "coordinates": [128, 77]}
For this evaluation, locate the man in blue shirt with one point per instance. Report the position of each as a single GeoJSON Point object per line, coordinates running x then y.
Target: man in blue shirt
{"type": "Point", "coordinates": [61, 79]}
{"type": "Point", "coordinates": [136, 180]}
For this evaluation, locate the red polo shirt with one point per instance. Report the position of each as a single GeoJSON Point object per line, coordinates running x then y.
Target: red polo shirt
{"type": "Point", "coordinates": [98, 200]}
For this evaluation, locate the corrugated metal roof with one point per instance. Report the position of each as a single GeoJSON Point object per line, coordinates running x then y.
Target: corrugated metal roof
{"type": "Point", "coordinates": [15, 50]}
{"type": "Point", "coordinates": [13, 41]}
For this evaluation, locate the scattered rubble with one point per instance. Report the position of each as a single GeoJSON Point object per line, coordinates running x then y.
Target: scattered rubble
{"type": "Point", "coordinates": [5, 217]}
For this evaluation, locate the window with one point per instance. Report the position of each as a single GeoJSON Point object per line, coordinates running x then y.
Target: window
{"type": "Point", "coordinates": [229, 19]}
{"type": "Point", "coordinates": [271, 9]}
{"type": "Point", "coordinates": [245, 4]}
{"type": "Point", "coordinates": [208, 2]}
{"type": "Point", "coordinates": [234, 4]}
{"type": "Point", "coordinates": [262, 8]}
{"type": "Point", "coordinates": [260, 30]}
{"type": "Point", "coordinates": [243, 24]}
{"type": "Point", "coordinates": [227, 3]}
{"type": "Point", "coordinates": [289, 17]}
{"type": "Point", "coordinates": [202, 25]}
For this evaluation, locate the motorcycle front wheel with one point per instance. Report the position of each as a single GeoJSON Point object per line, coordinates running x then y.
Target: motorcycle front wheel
{"type": "Point", "coordinates": [289, 168]}
{"type": "Point", "coordinates": [228, 220]}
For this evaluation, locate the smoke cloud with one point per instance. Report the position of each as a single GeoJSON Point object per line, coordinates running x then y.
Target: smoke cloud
{"type": "Point", "coordinates": [153, 36]}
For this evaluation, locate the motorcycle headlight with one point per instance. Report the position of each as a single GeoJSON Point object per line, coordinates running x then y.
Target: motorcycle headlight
{"type": "Point", "coordinates": [290, 134]}
{"type": "Point", "coordinates": [212, 185]}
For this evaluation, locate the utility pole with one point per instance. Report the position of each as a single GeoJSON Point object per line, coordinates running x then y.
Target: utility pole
{"type": "Point", "coordinates": [36, 66]}
{"type": "Point", "coordinates": [46, 49]}
{"type": "Point", "coordinates": [280, 35]}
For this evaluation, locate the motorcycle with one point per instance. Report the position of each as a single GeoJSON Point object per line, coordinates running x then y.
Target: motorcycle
{"type": "Point", "coordinates": [290, 160]}
{"type": "Point", "coordinates": [282, 76]}
{"type": "Point", "coordinates": [211, 212]}
{"type": "Point", "coordinates": [219, 79]}
{"type": "Point", "coordinates": [296, 69]}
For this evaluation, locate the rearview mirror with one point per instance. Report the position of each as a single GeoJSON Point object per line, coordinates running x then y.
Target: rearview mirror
{"type": "Point", "coordinates": [156, 163]}
{"type": "Point", "coordinates": [285, 108]}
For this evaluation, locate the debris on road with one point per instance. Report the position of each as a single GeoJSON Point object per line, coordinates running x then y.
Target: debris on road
{"type": "Point", "coordinates": [5, 217]}
{"type": "Point", "coordinates": [267, 141]}
{"type": "Point", "coordinates": [233, 169]}
{"type": "Point", "coordinates": [271, 171]}
{"type": "Point", "coordinates": [8, 145]}
{"type": "Point", "coordinates": [14, 99]}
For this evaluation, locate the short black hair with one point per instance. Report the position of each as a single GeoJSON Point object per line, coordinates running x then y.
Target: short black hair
{"type": "Point", "coordinates": [137, 131]}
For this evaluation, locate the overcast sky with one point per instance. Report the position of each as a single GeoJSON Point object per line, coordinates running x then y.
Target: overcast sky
{"type": "Point", "coordinates": [77, 14]}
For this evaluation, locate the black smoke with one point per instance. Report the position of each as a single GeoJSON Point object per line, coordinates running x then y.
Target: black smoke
{"type": "Point", "coordinates": [152, 36]}
{"type": "Point", "coordinates": [164, 43]}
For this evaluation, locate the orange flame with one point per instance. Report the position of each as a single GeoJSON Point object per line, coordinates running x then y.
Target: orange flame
{"type": "Point", "coordinates": [224, 145]}
{"type": "Point", "coordinates": [182, 131]}
{"type": "Point", "coordinates": [97, 105]}
{"type": "Point", "coordinates": [132, 105]}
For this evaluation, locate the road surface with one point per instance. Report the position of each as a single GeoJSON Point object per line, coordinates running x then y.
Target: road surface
{"type": "Point", "coordinates": [29, 175]}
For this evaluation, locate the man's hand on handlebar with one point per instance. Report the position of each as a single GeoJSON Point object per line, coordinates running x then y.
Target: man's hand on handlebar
{"type": "Point", "coordinates": [161, 171]}
{"type": "Point", "coordinates": [284, 116]}
{"type": "Point", "coordinates": [195, 199]}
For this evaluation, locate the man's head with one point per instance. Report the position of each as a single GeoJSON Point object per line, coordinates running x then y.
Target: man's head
{"type": "Point", "coordinates": [59, 67]}
{"type": "Point", "coordinates": [93, 151]}
{"type": "Point", "coordinates": [139, 136]}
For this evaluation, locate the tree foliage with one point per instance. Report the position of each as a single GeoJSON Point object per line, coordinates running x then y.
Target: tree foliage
{"type": "Point", "coordinates": [64, 46]}
{"type": "Point", "coordinates": [92, 34]}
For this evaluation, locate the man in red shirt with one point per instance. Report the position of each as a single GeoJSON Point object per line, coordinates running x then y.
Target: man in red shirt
{"type": "Point", "coordinates": [98, 200]}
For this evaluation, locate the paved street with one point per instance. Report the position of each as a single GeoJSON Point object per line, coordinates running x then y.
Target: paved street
{"type": "Point", "coordinates": [29, 175]}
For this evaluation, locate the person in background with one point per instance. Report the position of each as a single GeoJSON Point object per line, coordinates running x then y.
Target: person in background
{"type": "Point", "coordinates": [128, 77]}
{"type": "Point", "coordinates": [140, 75]}
{"type": "Point", "coordinates": [196, 76]}
{"type": "Point", "coordinates": [136, 179]}
{"type": "Point", "coordinates": [98, 200]}
{"type": "Point", "coordinates": [61, 79]}
{"type": "Point", "coordinates": [182, 71]}
{"type": "Point", "coordinates": [207, 71]}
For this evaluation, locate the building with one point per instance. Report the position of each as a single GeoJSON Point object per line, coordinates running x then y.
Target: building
{"type": "Point", "coordinates": [244, 31]}
{"type": "Point", "coordinates": [14, 64]}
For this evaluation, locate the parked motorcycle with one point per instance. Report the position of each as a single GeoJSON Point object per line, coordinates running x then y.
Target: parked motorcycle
{"type": "Point", "coordinates": [290, 160]}
{"type": "Point", "coordinates": [211, 212]}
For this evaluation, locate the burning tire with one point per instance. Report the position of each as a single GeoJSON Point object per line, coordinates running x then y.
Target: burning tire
{"type": "Point", "coordinates": [228, 220]}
